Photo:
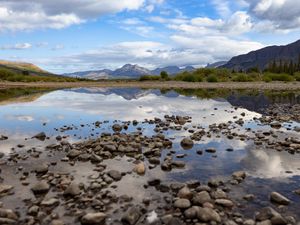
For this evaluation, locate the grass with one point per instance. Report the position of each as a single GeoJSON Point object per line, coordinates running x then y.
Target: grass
{"type": "Point", "coordinates": [9, 75]}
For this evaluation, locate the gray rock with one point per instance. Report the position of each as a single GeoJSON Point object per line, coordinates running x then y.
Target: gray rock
{"type": "Point", "coordinates": [269, 213]}
{"type": "Point", "coordinates": [73, 153]}
{"type": "Point", "coordinates": [40, 136]}
{"type": "Point", "coordinates": [201, 197]}
{"type": "Point", "coordinates": [224, 202]}
{"type": "Point", "coordinates": [72, 190]}
{"type": "Point", "coordinates": [278, 198]}
{"type": "Point", "coordinates": [117, 128]}
{"type": "Point", "coordinates": [5, 188]}
{"type": "Point", "coordinates": [93, 219]}
{"type": "Point", "coordinates": [132, 215]}
{"type": "Point", "coordinates": [182, 203]}
{"type": "Point", "coordinates": [40, 188]}
{"type": "Point", "coordinates": [185, 192]}
{"type": "Point", "coordinates": [187, 143]}
{"type": "Point", "coordinates": [114, 174]}
{"type": "Point", "coordinates": [208, 215]}
{"type": "Point", "coordinates": [191, 213]}
{"type": "Point", "coordinates": [41, 168]}
{"type": "Point", "coordinates": [52, 202]}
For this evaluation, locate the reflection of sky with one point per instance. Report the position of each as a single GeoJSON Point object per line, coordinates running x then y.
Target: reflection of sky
{"type": "Point", "coordinates": [59, 108]}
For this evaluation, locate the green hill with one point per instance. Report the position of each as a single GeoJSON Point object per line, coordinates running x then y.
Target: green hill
{"type": "Point", "coordinates": [27, 72]}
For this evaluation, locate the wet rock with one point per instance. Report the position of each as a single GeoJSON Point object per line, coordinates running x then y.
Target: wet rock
{"type": "Point", "coordinates": [201, 197]}
{"type": "Point", "coordinates": [117, 128]}
{"type": "Point", "coordinates": [269, 213]}
{"type": "Point", "coordinates": [52, 202]}
{"type": "Point", "coordinates": [208, 215]}
{"type": "Point", "coordinates": [185, 192]}
{"type": "Point", "coordinates": [41, 168]}
{"type": "Point", "coordinates": [239, 175]}
{"type": "Point", "coordinates": [40, 188]}
{"type": "Point", "coordinates": [211, 150]}
{"type": "Point", "coordinates": [182, 203]}
{"type": "Point", "coordinates": [73, 154]}
{"type": "Point", "coordinates": [2, 137]}
{"type": "Point", "coordinates": [187, 143]}
{"type": "Point", "coordinates": [178, 164]}
{"type": "Point", "coordinates": [279, 199]}
{"type": "Point", "coordinates": [154, 182]}
{"type": "Point", "coordinates": [275, 125]}
{"type": "Point", "coordinates": [72, 190]}
{"type": "Point", "coordinates": [191, 213]}
{"type": "Point", "coordinates": [40, 136]}
{"type": "Point", "coordinates": [224, 203]}
{"type": "Point", "coordinates": [5, 188]}
{"type": "Point", "coordinates": [140, 168]}
{"type": "Point", "coordinates": [132, 215]}
{"type": "Point", "coordinates": [219, 194]}
{"type": "Point", "coordinates": [114, 174]}
{"type": "Point", "coordinates": [93, 219]}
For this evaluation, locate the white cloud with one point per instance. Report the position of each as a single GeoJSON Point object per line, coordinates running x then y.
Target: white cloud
{"type": "Point", "coordinates": [18, 46]}
{"type": "Point", "coordinates": [57, 14]}
{"type": "Point", "coordinates": [276, 14]}
{"type": "Point", "coordinates": [58, 47]}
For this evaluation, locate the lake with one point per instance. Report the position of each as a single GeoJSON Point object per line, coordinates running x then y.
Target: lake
{"type": "Point", "coordinates": [234, 138]}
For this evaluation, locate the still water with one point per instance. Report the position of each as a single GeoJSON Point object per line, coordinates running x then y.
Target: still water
{"type": "Point", "coordinates": [72, 113]}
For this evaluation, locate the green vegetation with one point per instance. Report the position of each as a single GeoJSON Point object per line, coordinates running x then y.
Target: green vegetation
{"type": "Point", "coordinates": [25, 76]}
{"type": "Point", "coordinates": [225, 75]}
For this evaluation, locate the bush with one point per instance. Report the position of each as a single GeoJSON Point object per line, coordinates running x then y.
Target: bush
{"type": "Point", "coordinates": [278, 77]}
{"type": "Point", "coordinates": [164, 75]}
{"type": "Point", "coordinates": [212, 79]}
{"type": "Point", "coordinates": [297, 76]}
{"type": "Point", "coordinates": [188, 77]}
{"type": "Point", "coordinates": [241, 77]}
{"type": "Point", "coordinates": [149, 77]}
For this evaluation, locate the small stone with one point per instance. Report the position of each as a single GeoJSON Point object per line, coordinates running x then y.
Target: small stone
{"type": "Point", "coordinates": [182, 203]}
{"type": "Point", "coordinates": [72, 190]}
{"type": "Point", "coordinates": [40, 136]}
{"type": "Point", "coordinates": [5, 188]}
{"type": "Point", "coordinates": [93, 219]}
{"type": "Point", "coordinates": [114, 174]}
{"type": "Point", "coordinates": [187, 143]}
{"type": "Point", "coordinates": [224, 202]}
{"type": "Point", "coordinates": [208, 215]}
{"type": "Point", "coordinates": [50, 202]}
{"type": "Point", "coordinates": [201, 197]}
{"type": "Point", "coordinates": [185, 192]}
{"type": "Point", "coordinates": [140, 168]}
{"type": "Point", "coordinates": [40, 188]}
{"type": "Point", "coordinates": [278, 198]}
{"type": "Point", "coordinates": [131, 216]}
{"type": "Point", "coordinates": [117, 128]}
{"type": "Point", "coordinates": [73, 154]}
{"type": "Point", "coordinates": [41, 168]}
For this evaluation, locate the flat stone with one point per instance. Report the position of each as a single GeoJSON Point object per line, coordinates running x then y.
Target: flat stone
{"type": "Point", "coordinates": [50, 202]}
{"type": "Point", "coordinates": [93, 219]}
{"type": "Point", "coordinates": [132, 215]}
{"type": "Point", "coordinates": [201, 197]}
{"type": "Point", "coordinates": [182, 203]}
{"type": "Point", "coordinates": [40, 188]}
{"type": "Point", "coordinates": [224, 202]}
{"type": "Point", "coordinates": [72, 190]}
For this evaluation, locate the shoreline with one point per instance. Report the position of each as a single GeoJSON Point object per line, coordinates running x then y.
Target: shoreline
{"type": "Point", "coordinates": [158, 84]}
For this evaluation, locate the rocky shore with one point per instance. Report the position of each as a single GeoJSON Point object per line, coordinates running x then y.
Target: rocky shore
{"type": "Point", "coordinates": [74, 183]}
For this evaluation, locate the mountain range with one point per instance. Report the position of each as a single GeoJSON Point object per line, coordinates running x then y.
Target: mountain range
{"type": "Point", "coordinates": [263, 57]}
{"type": "Point", "coordinates": [127, 71]}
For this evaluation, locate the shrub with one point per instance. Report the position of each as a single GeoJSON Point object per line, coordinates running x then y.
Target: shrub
{"type": "Point", "coordinates": [297, 76]}
{"type": "Point", "coordinates": [164, 75]}
{"type": "Point", "coordinates": [149, 77]}
{"type": "Point", "coordinates": [241, 77]}
{"type": "Point", "coordinates": [212, 79]}
{"type": "Point", "coordinates": [278, 77]}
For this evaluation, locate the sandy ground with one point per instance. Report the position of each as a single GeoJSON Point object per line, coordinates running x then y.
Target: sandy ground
{"type": "Point", "coordinates": [158, 84]}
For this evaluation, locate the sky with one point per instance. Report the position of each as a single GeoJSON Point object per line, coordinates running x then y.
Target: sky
{"type": "Point", "coordinates": [76, 35]}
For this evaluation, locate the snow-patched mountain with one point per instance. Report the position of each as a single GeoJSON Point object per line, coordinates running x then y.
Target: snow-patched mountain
{"type": "Point", "coordinates": [127, 71]}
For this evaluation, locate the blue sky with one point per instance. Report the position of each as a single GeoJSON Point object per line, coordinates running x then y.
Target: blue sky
{"type": "Point", "coordinates": [74, 35]}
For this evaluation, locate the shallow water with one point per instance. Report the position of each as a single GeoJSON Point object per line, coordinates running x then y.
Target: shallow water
{"type": "Point", "coordinates": [75, 110]}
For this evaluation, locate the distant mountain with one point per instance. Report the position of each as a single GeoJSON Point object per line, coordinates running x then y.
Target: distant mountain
{"type": "Point", "coordinates": [172, 70]}
{"type": "Point", "coordinates": [216, 64]}
{"type": "Point", "coordinates": [93, 75]}
{"type": "Point", "coordinates": [127, 71]}
{"type": "Point", "coordinates": [262, 57]}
